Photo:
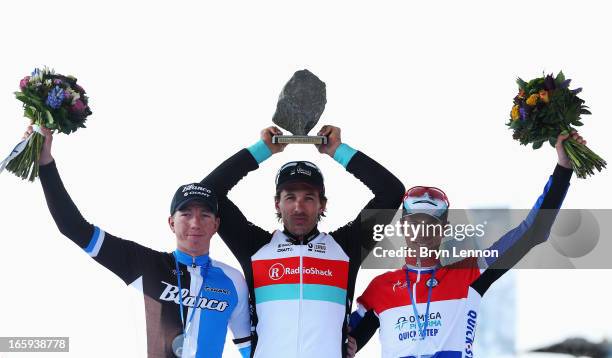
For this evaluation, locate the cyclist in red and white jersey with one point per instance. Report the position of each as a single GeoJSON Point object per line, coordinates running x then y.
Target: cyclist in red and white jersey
{"type": "Point", "coordinates": [425, 310]}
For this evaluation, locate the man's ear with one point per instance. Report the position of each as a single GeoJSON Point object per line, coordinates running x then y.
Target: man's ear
{"type": "Point", "coordinates": [217, 223]}
{"type": "Point", "coordinates": [171, 222]}
{"type": "Point", "coordinates": [323, 206]}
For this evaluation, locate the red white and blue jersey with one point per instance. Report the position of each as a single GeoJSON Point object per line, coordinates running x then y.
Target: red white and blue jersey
{"type": "Point", "coordinates": [456, 291]}
{"type": "Point", "coordinates": [452, 314]}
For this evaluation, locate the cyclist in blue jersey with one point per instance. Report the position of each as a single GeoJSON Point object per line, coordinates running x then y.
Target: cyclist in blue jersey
{"type": "Point", "coordinates": [190, 299]}
{"type": "Point", "coordinates": [429, 310]}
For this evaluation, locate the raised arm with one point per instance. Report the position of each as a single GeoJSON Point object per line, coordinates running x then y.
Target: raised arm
{"type": "Point", "coordinates": [240, 235]}
{"type": "Point", "coordinates": [387, 189]}
{"type": "Point", "coordinates": [535, 229]}
{"type": "Point", "coordinates": [122, 257]}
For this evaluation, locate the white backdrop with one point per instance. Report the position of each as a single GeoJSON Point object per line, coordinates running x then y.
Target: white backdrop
{"type": "Point", "coordinates": [425, 88]}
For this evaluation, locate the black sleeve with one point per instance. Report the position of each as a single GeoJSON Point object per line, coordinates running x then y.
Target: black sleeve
{"type": "Point", "coordinates": [532, 234]}
{"type": "Point", "coordinates": [388, 191]}
{"type": "Point", "coordinates": [365, 329]}
{"type": "Point", "coordinates": [122, 257]}
{"type": "Point", "coordinates": [241, 236]}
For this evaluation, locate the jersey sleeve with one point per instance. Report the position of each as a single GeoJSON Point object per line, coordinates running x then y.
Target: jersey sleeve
{"type": "Point", "coordinates": [240, 319]}
{"type": "Point", "coordinates": [367, 300]}
{"type": "Point", "coordinates": [387, 190]}
{"type": "Point", "coordinates": [241, 236]}
{"type": "Point", "coordinates": [532, 231]}
{"type": "Point", "coordinates": [551, 199]}
{"type": "Point", "coordinates": [364, 321]}
{"type": "Point", "coordinates": [124, 258]}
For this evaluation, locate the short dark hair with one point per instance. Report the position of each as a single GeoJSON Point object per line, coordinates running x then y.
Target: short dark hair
{"type": "Point", "coordinates": [322, 198]}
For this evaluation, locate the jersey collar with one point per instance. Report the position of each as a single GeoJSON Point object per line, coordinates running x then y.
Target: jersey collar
{"type": "Point", "coordinates": [296, 240]}
{"type": "Point", "coordinates": [187, 259]}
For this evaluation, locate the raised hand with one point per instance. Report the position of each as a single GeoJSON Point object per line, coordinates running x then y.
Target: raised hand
{"type": "Point", "coordinates": [266, 136]}
{"type": "Point", "coordinates": [333, 140]}
{"type": "Point", "coordinates": [564, 160]}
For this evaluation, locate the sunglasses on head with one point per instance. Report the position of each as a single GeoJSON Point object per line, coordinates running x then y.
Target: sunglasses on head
{"type": "Point", "coordinates": [433, 192]}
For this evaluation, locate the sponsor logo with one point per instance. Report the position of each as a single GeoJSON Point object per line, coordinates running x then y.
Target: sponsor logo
{"type": "Point", "coordinates": [193, 189]}
{"type": "Point", "coordinates": [303, 171]}
{"type": "Point", "coordinates": [284, 247]}
{"type": "Point", "coordinates": [432, 282]}
{"type": "Point", "coordinates": [196, 188]}
{"type": "Point", "coordinates": [470, 333]}
{"type": "Point", "coordinates": [409, 323]}
{"type": "Point", "coordinates": [399, 285]}
{"type": "Point", "coordinates": [318, 248]}
{"type": "Point", "coordinates": [171, 294]}
{"type": "Point", "coordinates": [217, 290]}
{"type": "Point", "coordinates": [401, 323]}
{"type": "Point", "coordinates": [277, 271]}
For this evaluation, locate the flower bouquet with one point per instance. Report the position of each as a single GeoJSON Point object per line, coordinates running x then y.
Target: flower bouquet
{"type": "Point", "coordinates": [51, 100]}
{"type": "Point", "coordinates": [544, 108]}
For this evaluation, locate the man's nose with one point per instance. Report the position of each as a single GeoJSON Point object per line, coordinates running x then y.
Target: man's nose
{"type": "Point", "coordinates": [298, 206]}
{"type": "Point", "coordinates": [196, 221]}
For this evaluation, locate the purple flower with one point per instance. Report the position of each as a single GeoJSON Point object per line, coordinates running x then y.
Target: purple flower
{"type": "Point", "coordinates": [523, 112]}
{"type": "Point", "coordinates": [24, 82]}
{"type": "Point", "coordinates": [57, 81]}
{"type": "Point", "coordinates": [78, 106]}
{"type": "Point", "coordinates": [577, 90]}
{"type": "Point", "coordinates": [565, 84]}
{"type": "Point", "coordinates": [55, 97]}
{"type": "Point", "coordinates": [549, 83]}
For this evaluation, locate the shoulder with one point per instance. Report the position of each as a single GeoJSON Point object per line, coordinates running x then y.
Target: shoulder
{"type": "Point", "coordinates": [388, 278]}
{"type": "Point", "coordinates": [233, 274]}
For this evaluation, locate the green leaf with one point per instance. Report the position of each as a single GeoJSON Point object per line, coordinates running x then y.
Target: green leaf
{"type": "Point", "coordinates": [48, 118]}
{"type": "Point", "coordinates": [560, 78]}
{"type": "Point", "coordinates": [522, 84]}
{"type": "Point", "coordinates": [577, 123]}
{"type": "Point", "coordinates": [538, 144]}
{"type": "Point", "coordinates": [552, 141]}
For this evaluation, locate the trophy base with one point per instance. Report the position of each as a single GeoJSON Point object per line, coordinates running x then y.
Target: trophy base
{"type": "Point", "coordinates": [299, 139]}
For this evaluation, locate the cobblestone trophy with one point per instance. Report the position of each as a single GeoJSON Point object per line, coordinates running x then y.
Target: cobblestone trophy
{"type": "Point", "coordinates": [299, 108]}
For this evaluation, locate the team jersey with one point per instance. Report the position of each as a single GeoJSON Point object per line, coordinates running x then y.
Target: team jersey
{"type": "Point", "coordinates": [456, 291]}
{"type": "Point", "coordinates": [216, 291]}
{"type": "Point", "coordinates": [301, 290]}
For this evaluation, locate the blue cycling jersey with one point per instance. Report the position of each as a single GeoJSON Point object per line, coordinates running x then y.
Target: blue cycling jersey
{"type": "Point", "coordinates": [212, 295]}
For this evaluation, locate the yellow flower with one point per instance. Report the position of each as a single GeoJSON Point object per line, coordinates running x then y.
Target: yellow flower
{"type": "Point", "coordinates": [544, 96]}
{"type": "Point", "coordinates": [533, 99]}
{"type": "Point", "coordinates": [515, 114]}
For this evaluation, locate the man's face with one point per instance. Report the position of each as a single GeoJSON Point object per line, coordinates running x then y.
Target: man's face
{"type": "Point", "coordinates": [194, 225]}
{"type": "Point", "coordinates": [299, 207]}
{"type": "Point", "coordinates": [428, 231]}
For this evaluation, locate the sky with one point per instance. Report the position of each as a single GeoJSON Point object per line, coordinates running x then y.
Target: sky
{"type": "Point", "coordinates": [425, 88]}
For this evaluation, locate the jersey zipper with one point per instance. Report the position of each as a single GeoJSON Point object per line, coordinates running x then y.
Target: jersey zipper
{"type": "Point", "coordinates": [299, 335]}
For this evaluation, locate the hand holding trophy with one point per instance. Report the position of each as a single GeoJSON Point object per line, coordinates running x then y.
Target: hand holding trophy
{"type": "Point", "coordinates": [299, 108]}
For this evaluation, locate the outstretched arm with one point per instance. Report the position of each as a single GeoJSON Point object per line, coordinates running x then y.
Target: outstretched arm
{"type": "Point", "coordinates": [535, 229]}
{"type": "Point", "coordinates": [122, 257]}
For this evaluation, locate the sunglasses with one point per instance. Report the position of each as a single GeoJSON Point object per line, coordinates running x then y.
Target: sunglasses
{"type": "Point", "coordinates": [433, 192]}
